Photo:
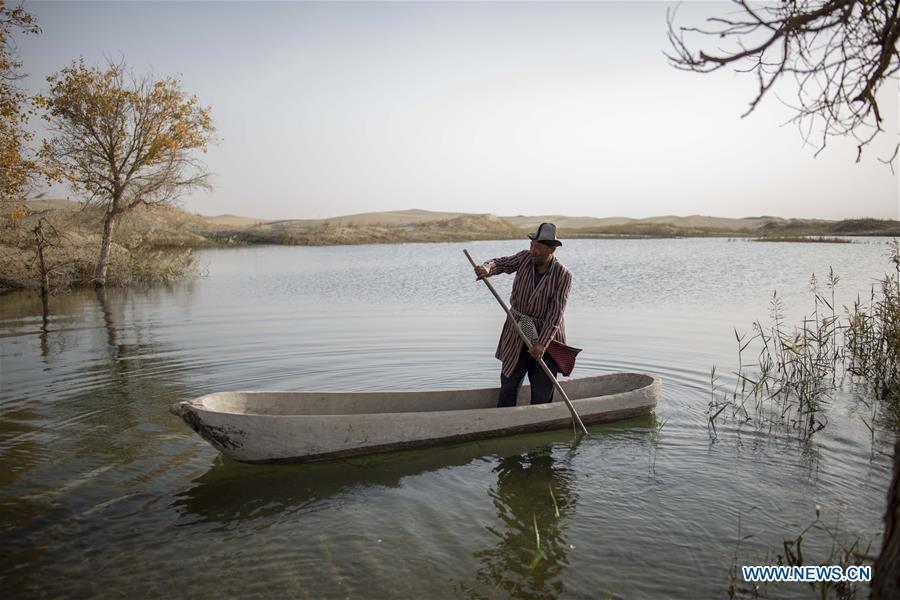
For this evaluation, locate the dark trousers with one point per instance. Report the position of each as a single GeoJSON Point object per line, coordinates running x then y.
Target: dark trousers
{"type": "Point", "coordinates": [541, 385]}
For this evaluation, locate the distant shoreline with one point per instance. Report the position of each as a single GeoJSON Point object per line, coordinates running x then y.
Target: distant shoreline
{"type": "Point", "coordinates": [155, 244]}
{"type": "Point", "coordinates": [171, 227]}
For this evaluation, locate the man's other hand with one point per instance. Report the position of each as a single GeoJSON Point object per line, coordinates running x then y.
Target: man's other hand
{"type": "Point", "coordinates": [480, 272]}
{"type": "Point", "coordinates": [536, 351]}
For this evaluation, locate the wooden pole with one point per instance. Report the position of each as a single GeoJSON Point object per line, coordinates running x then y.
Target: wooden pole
{"type": "Point", "coordinates": [576, 420]}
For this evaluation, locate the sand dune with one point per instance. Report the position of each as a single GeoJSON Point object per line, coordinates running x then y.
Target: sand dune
{"type": "Point", "coordinates": [422, 225]}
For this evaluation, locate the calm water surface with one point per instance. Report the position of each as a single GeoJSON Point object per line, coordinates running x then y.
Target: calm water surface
{"type": "Point", "coordinates": [103, 492]}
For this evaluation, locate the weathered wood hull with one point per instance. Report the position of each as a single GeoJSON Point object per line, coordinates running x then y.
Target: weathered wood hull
{"type": "Point", "coordinates": [264, 427]}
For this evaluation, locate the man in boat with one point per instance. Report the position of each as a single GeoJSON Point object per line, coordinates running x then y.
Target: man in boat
{"type": "Point", "coordinates": [538, 299]}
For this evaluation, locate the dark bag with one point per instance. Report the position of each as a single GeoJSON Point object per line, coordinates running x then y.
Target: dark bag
{"type": "Point", "coordinates": [563, 356]}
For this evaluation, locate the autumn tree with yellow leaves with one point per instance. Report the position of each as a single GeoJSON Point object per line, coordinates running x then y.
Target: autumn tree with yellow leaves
{"type": "Point", "coordinates": [124, 141]}
{"type": "Point", "coordinates": [18, 170]}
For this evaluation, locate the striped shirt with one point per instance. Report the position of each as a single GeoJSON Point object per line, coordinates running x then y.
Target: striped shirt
{"type": "Point", "coordinates": [545, 303]}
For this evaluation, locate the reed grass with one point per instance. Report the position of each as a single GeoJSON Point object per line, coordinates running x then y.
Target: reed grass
{"type": "Point", "coordinates": [798, 367]}
{"type": "Point", "coordinates": [654, 443]}
{"type": "Point", "coordinates": [538, 551]}
{"type": "Point", "coordinates": [873, 339]}
{"type": "Point", "coordinates": [841, 553]}
{"type": "Point", "coordinates": [553, 498]}
{"type": "Point", "coordinates": [833, 547]}
{"type": "Point", "coordinates": [735, 568]}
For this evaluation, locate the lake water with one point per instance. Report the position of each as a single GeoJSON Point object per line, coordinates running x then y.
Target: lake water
{"type": "Point", "coordinates": [103, 492]}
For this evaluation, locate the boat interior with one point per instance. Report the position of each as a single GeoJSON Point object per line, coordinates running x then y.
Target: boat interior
{"type": "Point", "coordinates": [380, 402]}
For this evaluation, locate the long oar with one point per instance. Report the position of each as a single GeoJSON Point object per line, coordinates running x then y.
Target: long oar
{"type": "Point", "coordinates": [576, 420]}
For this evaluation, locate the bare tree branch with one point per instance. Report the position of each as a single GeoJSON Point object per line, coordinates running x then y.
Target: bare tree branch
{"type": "Point", "coordinates": [839, 52]}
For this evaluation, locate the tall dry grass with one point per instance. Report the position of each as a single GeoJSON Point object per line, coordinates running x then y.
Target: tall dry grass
{"type": "Point", "coordinates": [69, 242]}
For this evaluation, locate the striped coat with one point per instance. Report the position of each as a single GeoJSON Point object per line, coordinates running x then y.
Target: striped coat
{"type": "Point", "coordinates": [545, 304]}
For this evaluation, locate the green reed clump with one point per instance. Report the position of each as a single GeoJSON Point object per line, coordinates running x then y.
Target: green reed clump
{"type": "Point", "coordinates": [842, 553]}
{"type": "Point", "coordinates": [799, 366]}
{"type": "Point", "coordinates": [873, 339]}
{"type": "Point", "coordinates": [845, 550]}
{"type": "Point", "coordinates": [795, 367]}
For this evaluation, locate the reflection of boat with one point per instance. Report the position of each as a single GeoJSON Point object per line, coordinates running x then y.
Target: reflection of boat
{"type": "Point", "coordinates": [231, 491]}
{"type": "Point", "coordinates": [307, 426]}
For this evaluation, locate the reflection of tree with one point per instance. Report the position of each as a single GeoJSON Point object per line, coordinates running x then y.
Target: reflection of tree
{"type": "Point", "coordinates": [45, 327]}
{"type": "Point", "coordinates": [140, 376]}
{"type": "Point", "coordinates": [85, 432]}
{"type": "Point", "coordinates": [109, 323]}
{"type": "Point", "coordinates": [532, 499]}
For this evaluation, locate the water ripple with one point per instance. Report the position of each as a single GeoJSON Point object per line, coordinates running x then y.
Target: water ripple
{"type": "Point", "coordinates": [98, 477]}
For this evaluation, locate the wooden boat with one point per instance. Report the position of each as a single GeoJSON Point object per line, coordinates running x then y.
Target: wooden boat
{"type": "Point", "coordinates": [265, 427]}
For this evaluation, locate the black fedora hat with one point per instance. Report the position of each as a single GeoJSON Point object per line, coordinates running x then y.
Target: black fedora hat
{"type": "Point", "coordinates": [545, 234]}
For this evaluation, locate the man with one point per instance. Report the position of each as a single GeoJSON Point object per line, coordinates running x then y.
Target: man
{"type": "Point", "coordinates": [539, 293]}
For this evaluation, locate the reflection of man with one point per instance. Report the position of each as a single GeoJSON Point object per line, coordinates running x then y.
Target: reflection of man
{"type": "Point", "coordinates": [539, 294]}
{"type": "Point", "coordinates": [532, 491]}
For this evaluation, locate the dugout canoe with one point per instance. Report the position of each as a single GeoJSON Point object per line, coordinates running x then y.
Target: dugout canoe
{"type": "Point", "coordinates": [270, 427]}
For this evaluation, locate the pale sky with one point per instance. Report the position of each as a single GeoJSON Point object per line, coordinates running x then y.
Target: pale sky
{"type": "Point", "coordinates": [325, 109]}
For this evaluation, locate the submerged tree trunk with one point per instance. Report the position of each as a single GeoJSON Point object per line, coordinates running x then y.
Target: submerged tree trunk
{"type": "Point", "coordinates": [886, 579]}
{"type": "Point", "coordinates": [103, 262]}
